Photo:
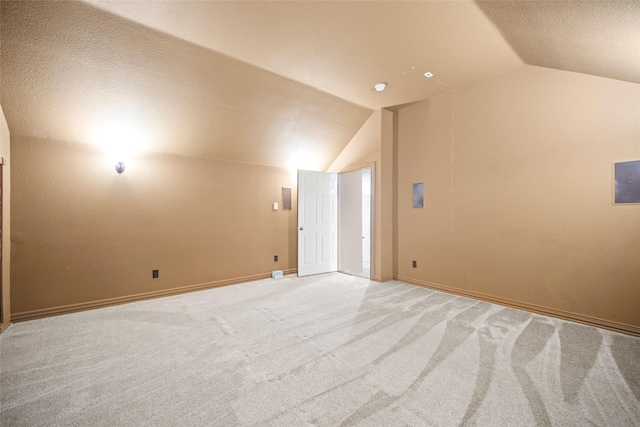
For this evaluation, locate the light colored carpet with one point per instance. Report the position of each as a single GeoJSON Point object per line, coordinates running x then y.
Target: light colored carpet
{"type": "Point", "coordinates": [323, 350]}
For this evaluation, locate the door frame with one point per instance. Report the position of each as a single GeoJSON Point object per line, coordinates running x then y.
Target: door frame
{"type": "Point", "coordinates": [3, 324]}
{"type": "Point", "coordinates": [372, 221]}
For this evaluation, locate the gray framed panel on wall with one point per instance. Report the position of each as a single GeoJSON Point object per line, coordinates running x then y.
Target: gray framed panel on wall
{"type": "Point", "coordinates": [418, 195]}
{"type": "Point", "coordinates": [286, 197]}
{"type": "Point", "coordinates": [626, 187]}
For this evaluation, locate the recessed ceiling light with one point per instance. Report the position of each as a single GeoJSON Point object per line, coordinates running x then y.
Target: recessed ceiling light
{"type": "Point", "coordinates": [379, 87]}
{"type": "Point", "coordinates": [428, 74]}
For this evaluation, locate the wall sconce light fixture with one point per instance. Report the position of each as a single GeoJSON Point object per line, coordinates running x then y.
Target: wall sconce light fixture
{"type": "Point", "coordinates": [119, 167]}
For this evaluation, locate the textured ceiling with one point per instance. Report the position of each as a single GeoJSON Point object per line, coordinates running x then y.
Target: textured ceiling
{"type": "Point", "coordinates": [601, 38]}
{"type": "Point", "coordinates": [72, 72]}
{"type": "Point", "coordinates": [277, 83]}
{"type": "Point", "coordinates": [340, 47]}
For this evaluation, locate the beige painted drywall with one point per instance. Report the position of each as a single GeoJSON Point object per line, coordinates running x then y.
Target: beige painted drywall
{"type": "Point", "coordinates": [374, 144]}
{"type": "Point", "coordinates": [518, 192]}
{"type": "Point", "coordinates": [83, 233]}
{"type": "Point", "coordinates": [386, 195]}
{"type": "Point", "coordinates": [364, 150]}
{"type": "Point", "coordinates": [5, 152]}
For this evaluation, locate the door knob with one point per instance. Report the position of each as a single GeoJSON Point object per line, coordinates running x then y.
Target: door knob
{"type": "Point", "coordinates": [301, 228]}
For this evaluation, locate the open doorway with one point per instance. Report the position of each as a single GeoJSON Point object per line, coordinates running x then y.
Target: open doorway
{"type": "Point", "coordinates": [354, 223]}
{"type": "Point", "coordinates": [335, 219]}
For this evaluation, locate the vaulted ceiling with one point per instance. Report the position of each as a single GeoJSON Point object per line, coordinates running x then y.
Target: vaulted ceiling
{"type": "Point", "coordinates": [278, 83]}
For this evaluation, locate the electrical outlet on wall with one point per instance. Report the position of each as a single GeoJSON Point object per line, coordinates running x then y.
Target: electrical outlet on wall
{"type": "Point", "coordinates": [275, 257]}
{"type": "Point", "coordinates": [414, 264]}
{"type": "Point", "coordinates": [154, 274]}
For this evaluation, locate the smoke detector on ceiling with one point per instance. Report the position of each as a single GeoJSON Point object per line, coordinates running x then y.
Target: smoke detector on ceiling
{"type": "Point", "coordinates": [428, 74]}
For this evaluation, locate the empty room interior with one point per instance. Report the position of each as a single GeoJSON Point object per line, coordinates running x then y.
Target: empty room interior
{"type": "Point", "coordinates": [319, 213]}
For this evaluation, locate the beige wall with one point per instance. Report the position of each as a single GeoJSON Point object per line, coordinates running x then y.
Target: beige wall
{"type": "Point", "coordinates": [385, 193]}
{"type": "Point", "coordinates": [373, 145]}
{"type": "Point", "coordinates": [83, 233]}
{"type": "Point", "coordinates": [518, 192]}
{"type": "Point", "coordinates": [364, 150]}
{"type": "Point", "coordinates": [518, 182]}
{"type": "Point", "coordinates": [5, 149]}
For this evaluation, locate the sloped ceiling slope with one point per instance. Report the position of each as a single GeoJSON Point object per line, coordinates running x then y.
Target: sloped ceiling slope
{"type": "Point", "coordinates": [278, 83]}
{"type": "Point", "coordinates": [600, 38]}
{"type": "Point", "coordinates": [342, 47]}
{"type": "Point", "coordinates": [73, 72]}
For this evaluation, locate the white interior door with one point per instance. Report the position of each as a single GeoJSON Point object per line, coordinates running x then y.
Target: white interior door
{"type": "Point", "coordinates": [317, 222]}
{"type": "Point", "coordinates": [350, 235]}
